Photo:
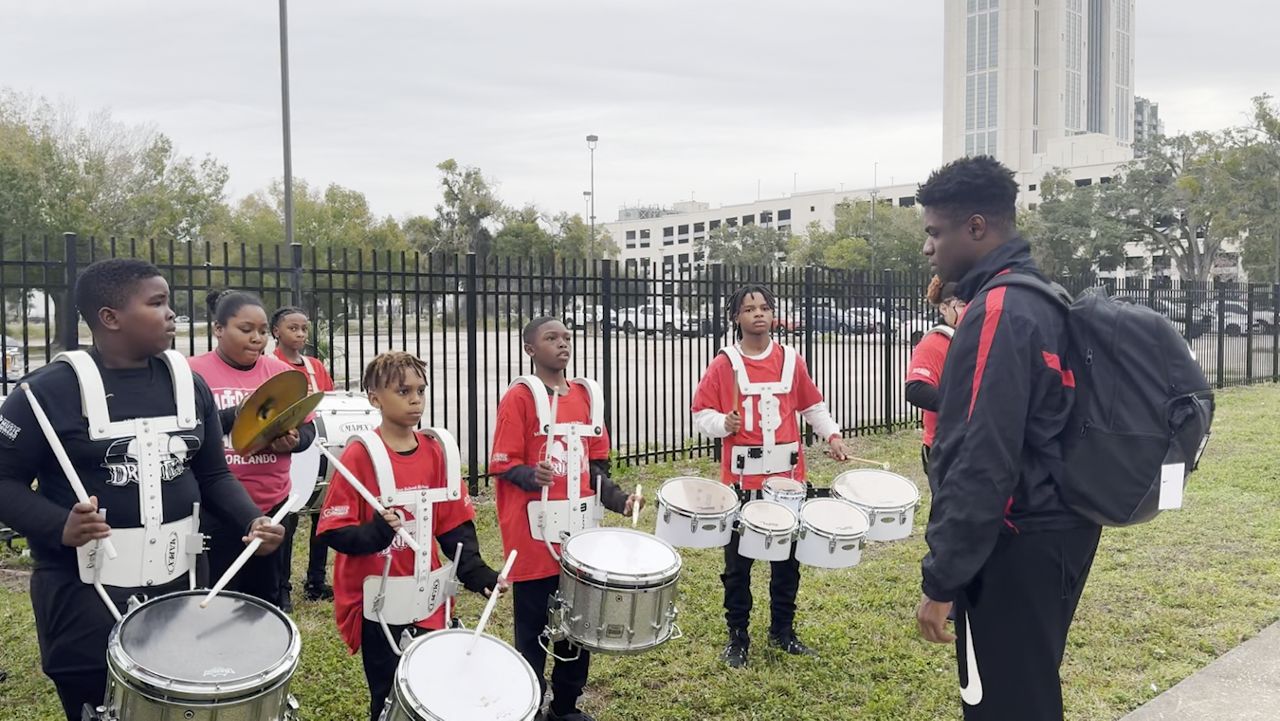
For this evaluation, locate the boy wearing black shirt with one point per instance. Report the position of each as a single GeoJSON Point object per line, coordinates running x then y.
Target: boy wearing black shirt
{"type": "Point", "coordinates": [126, 305]}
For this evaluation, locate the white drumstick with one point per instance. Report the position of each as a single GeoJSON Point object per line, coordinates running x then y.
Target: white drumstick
{"type": "Point", "coordinates": [248, 551]}
{"type": "Point", "coordinates": [367, 496]}
{"type": "Point", "coordinates": [635, 508]}
{"type": "Point", "coordinates": [883, 466]}
{"type": "Point", "coordinates": [68, 470]}
{"type": "Point", "coordinates": [493, 601]}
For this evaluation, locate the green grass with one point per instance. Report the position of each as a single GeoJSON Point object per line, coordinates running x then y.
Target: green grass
{"type": "Point", "coordinates": [1164, 599]}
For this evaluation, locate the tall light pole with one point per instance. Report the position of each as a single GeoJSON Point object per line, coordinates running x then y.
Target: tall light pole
{"type": "Point", "coordinates": [586, 202]}
{"type": "Point", "coordinates": [288, 151]}
{"type": "Point", "coordinates": [591, 147]}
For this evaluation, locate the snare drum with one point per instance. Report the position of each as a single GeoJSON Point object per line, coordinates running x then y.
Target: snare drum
{"type": "Point", "coordinates": [889, 500]}
{"type": "Point", "coordinates": [338, 418]}
{"type": "Point", "coordinates": [787, 491]}
{"type": "Point", "coordinates": [831, 533]}
{"type": "Point", "coordinates": [617, 591]}
{"type": "Point", "coordinates": [437, 681]}
{"type": "Point", "coordinates": [766, 531]}
{"type": "Point", "coordinates": [170, 659]}
{"type": "Point", "coordinates": [696, 512]}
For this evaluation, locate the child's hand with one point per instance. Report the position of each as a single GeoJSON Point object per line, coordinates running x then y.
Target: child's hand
{"type": "Point", "coordinates": [286, 443]}
{"type": "Point", "coordinates": [733, 422]}
{"type": "Point", "coordinates": [837, 449]}
{"type": "Point", "coordinates": [84, 524]}
{"type": "Point", "coordinates": [544, 474]}
{"type": "Point", "coordinates": [392, 518]}
{"type": "Point", "coordinates": [503, 587]}
{"type": "Point", "coordinates": [632, 500]}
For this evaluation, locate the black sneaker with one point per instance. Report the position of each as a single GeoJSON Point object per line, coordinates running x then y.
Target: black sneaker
{"type": "Point", "coordinates": [735, 652]}
{"type": "Point", "coordinates": [574, 715]}
{"type": "Point", "coordinates": [787, 641]}
{"type": "Point", "coordinates": [318, 591]}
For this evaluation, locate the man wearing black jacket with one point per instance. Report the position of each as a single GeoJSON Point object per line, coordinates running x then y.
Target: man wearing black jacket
{"type": "Point", "coordinates": [1003, 548]}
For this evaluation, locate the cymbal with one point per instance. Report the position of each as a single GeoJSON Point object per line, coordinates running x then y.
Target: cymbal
{"type": "Point", "coordinates": [278, 406]}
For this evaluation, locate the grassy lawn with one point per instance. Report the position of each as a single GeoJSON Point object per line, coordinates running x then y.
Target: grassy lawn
{"type": "Point", "coordinates": [1163, 600]}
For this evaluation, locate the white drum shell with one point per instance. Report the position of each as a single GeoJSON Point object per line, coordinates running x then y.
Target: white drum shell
{"type": "Point", "coordinates": [495, 683]}
{"type": "Point", "coordinates": [710, 526]}
{"type": "Point", "coordinates": [892, 514]}
{"type": "Point", "coordinates": [765, 543]}
{"type": "Point", "coordinates": [790, 493]}
{"type": "Point", "coordinates": [339, 417]}
{"type": "Point", "coordinates": [825, 549]}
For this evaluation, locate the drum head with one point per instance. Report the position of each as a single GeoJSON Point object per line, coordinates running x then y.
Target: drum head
{"type": "Point", "coordinates": [613, 554]}
{"type": "Point", "coordinates": [304, 471]}
{"type": "Point", "coordinates": [237, 640]}
{"type": "Point", "coordinates": [784, 485]}
{"type": "Point", "coordinates": [494, 683]}
{"type": "Point", "coordinates": [698, 495]}
{"type": "Point", "coordinates": [768, 516]}
{"type": "Point", "coordinates": [875, 489]}
{"type": "Point", "coordinates": [834, 517]}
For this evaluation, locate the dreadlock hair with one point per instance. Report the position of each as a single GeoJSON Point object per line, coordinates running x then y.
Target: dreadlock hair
{"type": "Point", "coordinates": [530, 332]}
{"type": "Point", "coordinates": [107, 284]}
{"type": "Point", "coordinates": [390, 367]}
{"type": "Point", "coordinates": [280, 314]}
{"type": "Point", "coordinates": [979, 185]}
{"type": "Point", "coordinates": [224, 304]}
{"type": "Point", "coordinates": [734, 304]}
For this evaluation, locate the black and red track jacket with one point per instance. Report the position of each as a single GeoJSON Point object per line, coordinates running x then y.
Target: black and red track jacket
{"type": "Point", "coordinates": [1006, 397]}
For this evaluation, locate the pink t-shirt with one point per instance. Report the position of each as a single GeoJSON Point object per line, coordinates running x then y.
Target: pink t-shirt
{"type": "Point", "coordinates": [265, 475]}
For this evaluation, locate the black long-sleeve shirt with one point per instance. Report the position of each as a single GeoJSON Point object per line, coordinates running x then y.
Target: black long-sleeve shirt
{"type": "Point", "coordinates": [377, 534]}
{"type": "Point", "coordinates": [611, 496]}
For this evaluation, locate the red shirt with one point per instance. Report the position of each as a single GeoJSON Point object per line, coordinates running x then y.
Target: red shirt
{"type": "Point", "coordinates": [515, 444]}
{"type": "Point", "coordinates": [423, 468]}
{"type": "Point", "coordinates": [926, 366]}
{"type": "Point", "coordinates": [318, 379]}
{"type": "Point", "coordinates": [716, 392]}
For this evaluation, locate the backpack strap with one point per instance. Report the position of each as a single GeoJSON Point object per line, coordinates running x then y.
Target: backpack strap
{"type": "Point", "coordinates": [1023, 280]}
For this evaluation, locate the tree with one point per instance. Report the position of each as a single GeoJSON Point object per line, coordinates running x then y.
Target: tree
{"type": "Point", "coordinates": [573, 240]}
{"type": "Point", "coordinates": [864, 237]}
{"type": "Point", "coordinates": [1067, 233]}
{"type": "Point", "coordinates": [468, 204]}
{"type": "Point", "coordinates": [522, 236]}
{"type": "Point", "coordinates": [743, 245]}
{"type": "Point", "coordinates": [1179, 199]}
{"type": "Point", "coordinates": [1258, 147]}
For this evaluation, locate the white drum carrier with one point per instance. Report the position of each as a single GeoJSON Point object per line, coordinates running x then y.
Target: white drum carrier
{"type": "Point", "coordinates": [770, 457]}
{"type": "Point", "coordinates": [157, 552]}
{"type": "Point", "coordinates": [553, 521]}
{"type": "Point", "coordinates": [339, 417]}
{"type": "Point", "coordinates": [404, 600]}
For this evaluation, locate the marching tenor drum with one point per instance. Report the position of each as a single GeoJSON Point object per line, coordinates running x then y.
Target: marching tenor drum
{"type": "Point", "coordinates": [766, 531]}
{"type": "Point", "coordinates": [339, 417]}
{"type": "Point", "coordinates": [438, 681]}
{"type": "Point", "coordinates": [617, 591]}
{"type": "Point", "coordinates": [889, 500]}
{"type": "Point", "coordinates": [170, 659]}
{"type": "Point", "coordinates": [831, 533]}
{"type": "Point", "coordinates": [696, 512]}
{"type": "Point", "coordinates": [787, 491]}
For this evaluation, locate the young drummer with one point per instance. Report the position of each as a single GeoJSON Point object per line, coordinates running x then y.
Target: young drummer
{"type": "Point", "coordinates": [409, 465]}
{"type": "Point", "coordinates": [143, 435]}
{"type": "Point", "coordinates": [575, 468]}
{"type": "Point", "coordinates": [234, 369]}
{"type": "Point", "coordinates": [289, 325]}
{"type": "Point", "coordinates": [924, 371]}
{"type": "Point", "coordinates": [749, 396]}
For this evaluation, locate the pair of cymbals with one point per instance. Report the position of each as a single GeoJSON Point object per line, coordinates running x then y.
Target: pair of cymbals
{"type": "Point", "coordinates": [275, 408]}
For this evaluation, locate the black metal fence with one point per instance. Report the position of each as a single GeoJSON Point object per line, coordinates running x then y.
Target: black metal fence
{"type": "Point", "coordinates": [647, 340]}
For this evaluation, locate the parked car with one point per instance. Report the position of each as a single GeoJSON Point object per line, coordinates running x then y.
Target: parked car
{"type": "Point", "coordinates": [663, 319]}
{"type": "Point", "coordinates": [871, 320]}
{"type": "Point", "coordinates": [13, 365]}
{"type": "Point", "coordinates": [182, 320]}
{"type": "Point", "coordinates": [913, 327]}
{"type": "Point", "coordinates": [826, 320]}
{"type": "Point", "coordinates": [1235, 317]}
{"type": "Point", "coordinates": [588, 316]}
{"type": "Point", "coordinates": [1168, 310]}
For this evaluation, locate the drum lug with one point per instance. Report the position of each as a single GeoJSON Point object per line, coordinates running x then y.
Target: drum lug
{"type": "Point", "coordinates": [831, 545]}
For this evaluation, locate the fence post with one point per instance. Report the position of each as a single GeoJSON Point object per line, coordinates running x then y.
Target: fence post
{"type": "Point", "coordinates": [809, 294]}
{"type": "Point", "coordinates": [69, 326]}
{"type": "Point", "coordinates": [1221, 295]}
{"type": "Point", "coordinates": [607, 330]}
{"type": "Point", "coordinates": [717, 329]}
{"type": "Point", "coordinates": [886, 337]}
{"type": "Point", "coordinates": [1275, 333]}
{"type": "Point", "coordinates": [473, 402]}
{"type": "Point", "coordinates": [1248, 335]}
{"type": "Point", "coordinates": [295, 275]}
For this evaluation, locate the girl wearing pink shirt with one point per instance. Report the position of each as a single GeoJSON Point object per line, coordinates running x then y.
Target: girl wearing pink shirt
{"type": "Point", "coordinates": [233, 370]}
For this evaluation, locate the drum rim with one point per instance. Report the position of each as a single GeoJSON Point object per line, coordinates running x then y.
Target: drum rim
{"type": "Point", "coordinates": [746, 522]}
{"type": "Point", "coordinates": [150, 683]}
{"type": "Point", "coordinates": [402, 692]}
{"type": "Point", "coordinates": [764, 487]}
{"type": "Point", "coordinates": [732, 498]}
{"type": "Point", "coordinates": [895, 508]}
{"type": "Point", "coordinates": [606, 579]}
{"type": "Point", "coordinates": [814, 530]}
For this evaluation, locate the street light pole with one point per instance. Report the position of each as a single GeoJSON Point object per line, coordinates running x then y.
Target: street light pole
{"type": "Point", "coordinates": [296, 253]}
{"type": "Point", "coordinates": [591, 146]}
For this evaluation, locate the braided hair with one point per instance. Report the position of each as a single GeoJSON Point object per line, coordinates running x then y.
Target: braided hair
{"type": "Point", "coordinates": [390, 367]}
{"type": "Point", "coordinates": [734, 304]}
{"type": "Point", "coordinates": [280, 315]}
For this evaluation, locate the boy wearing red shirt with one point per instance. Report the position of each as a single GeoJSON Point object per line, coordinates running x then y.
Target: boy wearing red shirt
{"type": "Point", "coordinates": [749, 396]}
{"type": "Point", "coordinates": [575, 469]}
{"type": "Point", "coordinates": [409, 465]}
{"type": "Point", "coordinates": [924, 372]}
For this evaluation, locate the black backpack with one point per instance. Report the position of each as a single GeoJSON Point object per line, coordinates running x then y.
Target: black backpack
{"type": "Point", "coordinates": [1143, 407]}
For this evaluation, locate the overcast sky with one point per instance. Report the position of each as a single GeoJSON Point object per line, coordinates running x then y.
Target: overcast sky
{"type": "Point", "coordinates": [700, 98]}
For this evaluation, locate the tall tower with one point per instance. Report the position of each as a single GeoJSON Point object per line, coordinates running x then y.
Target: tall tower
{"type": "Point", "coordinates": [1019, 73]}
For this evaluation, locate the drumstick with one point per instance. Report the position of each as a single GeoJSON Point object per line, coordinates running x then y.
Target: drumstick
{"type": "Point", "coordinates": [853, 459]}
{"type": "Point", "coordinates": [68, 470]}
{"type": "Point", "coordinates": [493, 601]}
{"type": "Point", "coordinates": [635, 508]}
{"type": "Point", "coordinates": [368, 497]}
{"type": "Point", "coordinates": [248, 551]}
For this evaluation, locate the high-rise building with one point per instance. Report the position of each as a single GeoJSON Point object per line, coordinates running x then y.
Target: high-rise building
{"type": "Point", "coordinates": [1019, 74]}
{"type": "Point", "coordinates": [1146, 123]}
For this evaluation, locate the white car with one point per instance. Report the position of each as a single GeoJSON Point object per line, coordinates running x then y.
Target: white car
{"type": "Point", "coordinates": [588, 316]}
{"type": "Point", "coordinates": [1235, 317]}
{"type": "Point", "coordinates": [663, 319]}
